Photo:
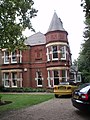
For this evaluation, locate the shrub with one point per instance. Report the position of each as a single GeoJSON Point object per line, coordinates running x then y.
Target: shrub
{"type": "Point", "coordinates": [1, 88]}
{"type": "Point", "coordinates": [23, 90]}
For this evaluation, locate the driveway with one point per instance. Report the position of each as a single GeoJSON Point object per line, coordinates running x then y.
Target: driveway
{"type": "Point", "coordinates": [54, 109]}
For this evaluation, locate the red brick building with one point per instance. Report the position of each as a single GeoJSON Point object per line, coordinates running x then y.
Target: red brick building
{"type": "Point", "coordinates": [46, 62]}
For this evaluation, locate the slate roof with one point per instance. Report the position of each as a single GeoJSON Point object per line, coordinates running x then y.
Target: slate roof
{"type": "Point", "coordinates": [36, 39]}
{"type": "Point", "coordinates": [56, 24]}
{"type": "Point", "coordinates": [39, 38]}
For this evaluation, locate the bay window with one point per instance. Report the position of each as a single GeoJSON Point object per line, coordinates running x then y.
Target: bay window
{"type": "Point", "coordinates": [64, 75]}
{"type": "Point", "coordinates": [54, 53]}
{"type": "Point", "coordinates": [63, 52]}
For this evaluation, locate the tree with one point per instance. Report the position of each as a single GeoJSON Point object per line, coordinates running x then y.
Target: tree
{"type": "Point", "coordinates": [84, 57]}
{"type": "Point", "coordinates": [75, 63]}
{"type": "Point", "coordinates": [15, 17]}
{"type": "Point", "coordinates": [86, 7]}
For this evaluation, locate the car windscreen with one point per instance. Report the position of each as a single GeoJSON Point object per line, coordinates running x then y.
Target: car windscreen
{"type": "Point", "coordinates": [85, 89]}
{"type": "Point", "coordinates": [83, 85]}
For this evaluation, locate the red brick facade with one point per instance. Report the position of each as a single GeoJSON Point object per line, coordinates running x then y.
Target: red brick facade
{"type": "Point", "coordinates": [42, 65]}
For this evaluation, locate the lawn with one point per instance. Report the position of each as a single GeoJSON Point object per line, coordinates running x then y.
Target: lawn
{"type": "Point", "coordinates": [23, 100]}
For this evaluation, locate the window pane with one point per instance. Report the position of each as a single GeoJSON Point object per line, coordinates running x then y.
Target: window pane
{"type": "Point", "coordinates": [54, 48]}
{"type": "Point", "coordinates": [63, 75]}
{"type": "Point", "coordinates": [14, 56]}
{"type": "Point", "coordinates": [6, 79]}
{"type": "Point", "coordinates": [14, 79]}
{"type": "Point", "coordinates": [63, 51]}
{"type": "Point", "coordinates": [6, 56]}
{"type": "Point", "coordinates": [39, 78]}
{"type": "Point", "coordinates": [56, 77]}
{"type": "Point", "coordinates": [71, 75]}
{"type": "Point", "coordinates": [55, 53]}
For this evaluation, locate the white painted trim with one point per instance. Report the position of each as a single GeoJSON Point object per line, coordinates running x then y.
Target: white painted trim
{"type": "Point", "coordinates": [12, 70]}
{"type": "Point", "coordinates": [12, 59]}
{"type": "Point", "coordinates": [56, 43]}
{"type": "Point", "coordinates": [49, 85]}
{"type": "Point", "coordinates": [58, 68]}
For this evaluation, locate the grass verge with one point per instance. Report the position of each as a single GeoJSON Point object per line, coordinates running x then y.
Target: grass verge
{"type": "Point", "coordinates": [23, 100]}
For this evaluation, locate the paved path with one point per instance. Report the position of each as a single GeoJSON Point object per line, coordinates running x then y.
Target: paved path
{"type": "Point", "coordinates": [54, 109]}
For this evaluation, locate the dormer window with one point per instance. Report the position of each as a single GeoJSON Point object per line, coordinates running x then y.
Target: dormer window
{"type": "Point", "coordinates": [6, 57]}
{"type": "Point", "coordinates": [14, 57]}
{"type": "Point", "coordinates": [54, 53]}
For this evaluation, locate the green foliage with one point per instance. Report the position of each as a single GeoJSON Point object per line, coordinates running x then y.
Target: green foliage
{"type": "Point", "coordinates": [15, 16]}
{"type": "Point", "coordinates": [75, 62]}
{"type": "Point", "coordinates": [23, 90]}
{"type": "Point", "coordinates": [84, 57]}
{"type": "Point", "coordinates": [86, 7]}
{"type": "Point", "coordinates": [1, 88]}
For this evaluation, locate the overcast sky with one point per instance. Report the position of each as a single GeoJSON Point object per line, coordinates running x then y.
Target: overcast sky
{"type": "Point", "coordinates": [71, 14]}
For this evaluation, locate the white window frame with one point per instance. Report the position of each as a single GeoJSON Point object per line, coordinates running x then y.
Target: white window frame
{"type": "Point", "coordinates": [14, 79]}
{"type": "Point", "coordinates": [76, 77]}
{"type": "Point", "coordinates": [20, 56]}
{"type": "Point", "coordinates": [20, 79]}
{"type": "Point", "coordinates": [38, 78]}
{"type": "Point", "coordinates": [65, 76]}
{"type": "Point", "coordinates": [54, 52]}
{"type": "Point", "coordinates": [49, 79]}
{"type": "Point", "coordinates": [48, 54]}
{"type": "Point", "coordinates": [6, 78]}
{"type": "Point", "coordinates": [6, 57]}
{"type": "Point", "coordinates": [63, 51]}
{"type": "Point", "coordinates": [13, 55]}
{"type": "Point", "coordinates": [54, 76]}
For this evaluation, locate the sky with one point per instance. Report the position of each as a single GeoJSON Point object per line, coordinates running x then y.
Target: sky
{"type": "Point", "coordinates": [71, 14]}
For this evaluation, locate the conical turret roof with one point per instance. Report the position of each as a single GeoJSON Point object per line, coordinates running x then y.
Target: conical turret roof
{"type": "Point", "coordinates": [56, 24]}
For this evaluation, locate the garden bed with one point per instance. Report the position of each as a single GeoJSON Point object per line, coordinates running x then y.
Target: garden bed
{"type": "Point", "coordinates": [5, 102]}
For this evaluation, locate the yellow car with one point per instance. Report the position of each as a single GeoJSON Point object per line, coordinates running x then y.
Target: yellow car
{"type": "Point", "coordinates": [60, 90]}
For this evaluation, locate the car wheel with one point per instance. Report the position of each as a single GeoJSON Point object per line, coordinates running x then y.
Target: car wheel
{"type": "Point", "coordinates": [56, 96]}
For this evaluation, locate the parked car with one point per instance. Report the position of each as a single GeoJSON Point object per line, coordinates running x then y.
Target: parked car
{"type": "Point", "coordinates": [64, 89]}
{"type": "Point", "coordinates": [81, 97]}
